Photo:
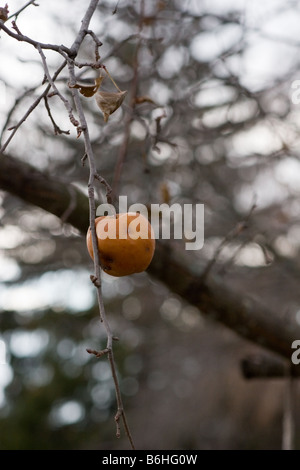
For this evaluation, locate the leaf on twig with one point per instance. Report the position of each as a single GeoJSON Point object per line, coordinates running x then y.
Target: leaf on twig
{"type": "Point", "coordinates": [4, 13]}
{"type": "Point", "coordinates": [109, 102]}
{"type": "Point", "coordinates": [88, 90]}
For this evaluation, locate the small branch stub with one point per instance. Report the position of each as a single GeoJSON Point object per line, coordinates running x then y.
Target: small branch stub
{"type": "Point", "coordinates": [98, 353]}
{"type": "Point", "coordinates": [95, 280]}
{"type": "Point", "coordinates": [117, 420]}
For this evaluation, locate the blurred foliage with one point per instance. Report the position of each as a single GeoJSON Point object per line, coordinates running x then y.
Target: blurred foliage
{"type": "Point", "coordinates": [207, 127]}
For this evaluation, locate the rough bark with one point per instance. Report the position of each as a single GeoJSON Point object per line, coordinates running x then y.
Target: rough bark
{"type": "Point", "coordinates": [212, 296]}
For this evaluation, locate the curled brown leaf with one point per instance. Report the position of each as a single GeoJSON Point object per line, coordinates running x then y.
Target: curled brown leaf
{"type": "Point", "coordinates": [88, 90]}
{"type": "Point", "coordinates": [109, 102]}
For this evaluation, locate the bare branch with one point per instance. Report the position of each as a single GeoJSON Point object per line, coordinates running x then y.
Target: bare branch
{"type": "Point", "coordinates": [72, 204]}
{"type": "Point", "coordinates": [57, 129]}
{"type": "Point", "coordinates": [96, 278]}
{"type": "Point", "coordinates": [107, 186]}
{"type": "Point", "coordinates": [116, 8]}
{"type": "Point", "coordinates": [133, 92]}
{"type": "Point", "coordinates": [235, 232]}
{"type": "Point", "coordinates": [32, 107]}
{"type": "Point", "coordinates": [84, 29]}
{"type": "Point", "coordinates": [13, 108]}
{"type": "Point", "coordinates": [69, 55]}
{"type": "Point", "coordinates": [93, 65]}
{"type": "Point", "coordinates": [22, 38]}
{"type": "Point", "coordinates": [97, 353]}
{"type": "Point", "coordinates": [52, 83]}
{"type": "Point", "coordinates": [244, 315]}
{"type": "Point", "coordinates": [97, 42]}
{"type": "Point", "coordinates": [120, 413]}
{"type": "Point", "coordinates": [16, 13]}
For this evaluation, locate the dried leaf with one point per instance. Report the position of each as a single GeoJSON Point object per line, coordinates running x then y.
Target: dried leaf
{"type": "Point", "coordinates": [88, 90]}
{"type": "Point", "coordinates": [4, 13]}
{"type": "Point", "coordinates": [144, 99]}
{"type": "Point", "coordinates": [109, 102]}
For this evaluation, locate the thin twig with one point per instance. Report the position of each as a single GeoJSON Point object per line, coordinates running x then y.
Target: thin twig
{"type": "Point", "coordinates": [13, 108]}
{"type": "Point", "coordinates": [107, 186]}
{"type": "Point", "coordinates": [134, 87]}
{"type": "Point", "coordinates": [97, 353]}
{"type": "Point", "coordinates": [97, 42]}
{"type": "Point", "coordinates": [120, 412]}
{"type": "Point", "coordinates": [32, 107]}
{"type": "Point", "coordinates": [93, 65]}
{"type": "Point", "coordinates": [72, 205]}
{"type": "Point", "coordinates": [55, 89]}
{"type": "Point", "coordinates": [116, 8]}
{"type": "Point", "coordinates": [70, 55]}
{"type": "Point", "coordinates": [235, 232]}
{"type": "Point", "coordinates": [83, 159]}
{"type": "Point", "coordinates": [23, 38]}
{"type": "Point", "coordinates": [16, 14]}
{"type": "Point", "coordinates": [96, 277]}
{"type": "Point", "coordinates": [16, 28]}
{"type": "Point", "coordinates": [156, 137]}
{"type": "Point", "coordinates": [57, 129]}
{"type": "Point", "coordinates": [84, 29]}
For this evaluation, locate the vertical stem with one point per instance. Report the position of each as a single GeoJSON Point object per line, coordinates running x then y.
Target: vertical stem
{"type": "Point", "coordinates": [97, 269]}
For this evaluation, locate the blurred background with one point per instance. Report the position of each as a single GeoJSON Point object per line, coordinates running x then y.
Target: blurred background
{"type": "Point", "coordinates": [216, 122]}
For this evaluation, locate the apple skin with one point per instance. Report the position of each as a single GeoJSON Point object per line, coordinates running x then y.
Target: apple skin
{"type": "Point", "coordinates": [126, 243]}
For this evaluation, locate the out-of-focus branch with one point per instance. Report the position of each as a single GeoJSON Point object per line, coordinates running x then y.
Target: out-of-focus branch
{"type": "Point", "coordinates": [129, 118]}
{"type": "Point", "coordinates": [263, 366]}
{"type": "Point", "coordinates": [248, 318]}
{"type": "Point", "coordinates": [52, 195]}
{"type": "Point", "coordinates": [244, 315]}
{"type": "Point", "coordinates": [30, 109]}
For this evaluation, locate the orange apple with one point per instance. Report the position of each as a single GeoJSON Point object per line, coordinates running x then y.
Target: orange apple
{"type": "Point", "coordinates": [126, 243]}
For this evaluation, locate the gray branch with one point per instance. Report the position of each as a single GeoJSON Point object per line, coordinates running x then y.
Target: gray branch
{"type": "Point", "coordinates": [247, 317]}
